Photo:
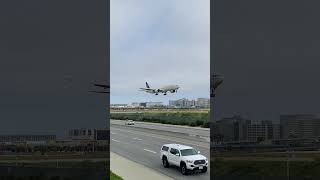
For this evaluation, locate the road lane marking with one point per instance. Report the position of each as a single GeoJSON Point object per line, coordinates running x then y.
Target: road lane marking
{"type": "Point", "coordinates": [177, 140]}
{"type": "Point", "coordinates": [115, 140]}
{"type": "Point", "coordinates": [112, 133]}
{"type": "Point", "coordinates": [150, 151]}
{"type": "Point", "coordinates": [137, 139]}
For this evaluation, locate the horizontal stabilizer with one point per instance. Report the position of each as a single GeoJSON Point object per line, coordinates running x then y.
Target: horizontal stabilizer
{"type": "Point", "coordinates": [102, 85]}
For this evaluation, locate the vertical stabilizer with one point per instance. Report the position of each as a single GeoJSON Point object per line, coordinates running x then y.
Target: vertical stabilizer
{"type": "Point", "coordinates": [147, 85]}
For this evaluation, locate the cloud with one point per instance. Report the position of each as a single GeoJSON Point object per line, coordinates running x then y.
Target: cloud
{"type": "Point", "coordinates": [162, 42]}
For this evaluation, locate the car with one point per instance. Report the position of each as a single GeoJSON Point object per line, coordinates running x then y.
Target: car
{"type": "Point", "coordinates": [184, 157]}
{"type": "Point", "coordinates": [129, 122]}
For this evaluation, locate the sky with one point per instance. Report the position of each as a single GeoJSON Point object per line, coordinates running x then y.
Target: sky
{"type": "Point", "coordinates": [49, 59]}
{"type": "Point", "coordinates": [159, 42]}
{"type": "Point", "coordinates": [269, 54]}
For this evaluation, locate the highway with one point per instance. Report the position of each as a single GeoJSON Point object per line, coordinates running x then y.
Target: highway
{"type": "Point", "coordinates": [142, 145]}
{"type": "Point", "coordinates": [203, 133]}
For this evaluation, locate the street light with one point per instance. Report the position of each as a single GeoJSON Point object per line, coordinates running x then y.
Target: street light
{"type": "Point", "coordinates": [215, 81]}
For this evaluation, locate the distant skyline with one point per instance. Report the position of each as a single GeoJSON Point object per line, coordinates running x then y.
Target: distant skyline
{"type": "Point", "coordinates": [164, 102]}
{"type": "Point", "coordinates": [159, 42]}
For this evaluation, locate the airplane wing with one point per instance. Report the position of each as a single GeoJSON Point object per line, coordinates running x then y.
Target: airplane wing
{"type": "Point", "coordinates": [146, 89]}
{"type": "Point", "coordinates": [99, 91]}
{"type": "Point", "coordinates": [102, 85]}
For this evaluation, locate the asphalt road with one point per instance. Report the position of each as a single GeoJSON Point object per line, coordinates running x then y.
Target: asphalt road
{"type": "Point", "coordinates": [191, 131]}
{"type": "Point", "coordinates": [142, 145]}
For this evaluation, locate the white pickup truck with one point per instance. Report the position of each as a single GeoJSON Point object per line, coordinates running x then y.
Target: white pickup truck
{"type": "Point", "coordinates": [184, 157]}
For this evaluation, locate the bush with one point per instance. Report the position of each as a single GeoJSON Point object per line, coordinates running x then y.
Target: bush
{"type": "Point", "coordinates": [176, 118]}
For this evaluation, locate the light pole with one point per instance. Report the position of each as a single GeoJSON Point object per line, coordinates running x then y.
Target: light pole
{"type": "Point", "coordinates": [288, 163]}
{"type": "Point", "coordinates": [215, 81]}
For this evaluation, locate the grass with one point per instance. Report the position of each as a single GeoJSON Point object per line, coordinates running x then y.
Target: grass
{"type": "Point", "coordinates": [247, 168]}
{"type": "Point", "coordinates": [196, 119]}
{"type": "Point", "coordinates": [114, 176]}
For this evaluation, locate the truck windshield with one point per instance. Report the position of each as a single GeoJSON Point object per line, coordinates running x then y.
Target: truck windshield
{"type": "Point", "coordinates": [188, 152]}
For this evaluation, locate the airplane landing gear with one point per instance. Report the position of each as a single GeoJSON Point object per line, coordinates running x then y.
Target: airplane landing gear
{"type": "Point", "coordinates": [156, 93]}
{"type": "Point", "coordinates": [164, 94]}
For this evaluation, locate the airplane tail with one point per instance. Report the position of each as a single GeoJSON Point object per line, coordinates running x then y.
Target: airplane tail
{"type": "Point", "coordinates": [147, 85]}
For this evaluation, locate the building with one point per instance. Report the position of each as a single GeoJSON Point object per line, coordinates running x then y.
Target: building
{"type": "Point", "coordinates": [262, 131]}
{"type": "Point", "coordinates": [203, 103]}
{"type": "Point", "coordinates": [222, 130]}
{"type": "Point", "coordinates": [232, 128]}
{"type": "Point", "coordinates": [82, 133]}
{"type": "Point", "coordinates": [154, 104]}
{"type": "Point", "coordinates": [102, 135]}
{"type": "Point", "coordinates": [299, 126]}
{"type": "Point", "coordinates": [88, 134]}
{"type": "Point", "coordinates": [143, 104]}
{"type": "Point", "coordinates": [146, 104]}
{"type": "Point", "coordinates": [26, 139]}
{"type": "Point", "coordinates": [119, 105]}
{"type": "Point", "coordinates": [276, 132]}
{"type": "Point", "coordinates": [173, 103]}
{"type": "Point", "coordinates": [239, 129]}
{"type": "Point", "coordinates": [186, 103]}
{"type": "Point", "coordinates": [182, 103]}
{"type": "Point", "coordinates": [135, 104]}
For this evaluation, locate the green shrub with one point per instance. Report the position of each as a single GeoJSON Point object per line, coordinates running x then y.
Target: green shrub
{"type": "Point", "coordinates": [176, 118]}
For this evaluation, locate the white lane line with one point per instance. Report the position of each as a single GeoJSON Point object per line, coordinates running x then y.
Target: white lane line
{"type": "Point", "coordinates": [112, 133]}
{"type": "Point", "coordinates": [137, 139]}
{"type": "Point", "coordinates": [150, 151]}
{"type": "Point", "coordinates": [173, 139]}
{"type": "Point", "coordinates": [115, 140]}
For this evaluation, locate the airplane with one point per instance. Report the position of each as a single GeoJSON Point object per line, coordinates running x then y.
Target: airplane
{"type": "Point", "coordinates": [164, 90]}
{"type": "Point", "coordinates": [216, 80]}
{"type": "Point", "coordinates": [104, 86]}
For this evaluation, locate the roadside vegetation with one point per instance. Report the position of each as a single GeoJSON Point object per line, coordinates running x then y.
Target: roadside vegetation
{"type": "Point", "coordinates": [20, 172]}
{"type": "Point", "coordinates": [114, 176]}
{"type": "Point", "coordinates": [195, 119]}
{"type": "Point", "coordinates": [266, 169]}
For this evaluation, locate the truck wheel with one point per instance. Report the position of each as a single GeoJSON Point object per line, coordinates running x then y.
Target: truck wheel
{"type": "Point", "coordinates": [204, 169]}
{"type": "Point", "coordinates": [183, 169]}
{"type": "Point", "coordinates": [165, 162]}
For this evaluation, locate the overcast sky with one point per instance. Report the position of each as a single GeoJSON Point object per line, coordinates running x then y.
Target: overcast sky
{"type": "Point", "coordinates": [162, 42]}
{"type": "Point", "coordinates": [269, 53]}
{"type": "Point", "coordinates": [51, 52]}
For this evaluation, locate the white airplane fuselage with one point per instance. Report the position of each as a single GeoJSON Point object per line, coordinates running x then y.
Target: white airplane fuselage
{"type": "Point", "coordinates": [164, 89]}
{"type": "Point", "coordinates": [169, 88]}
